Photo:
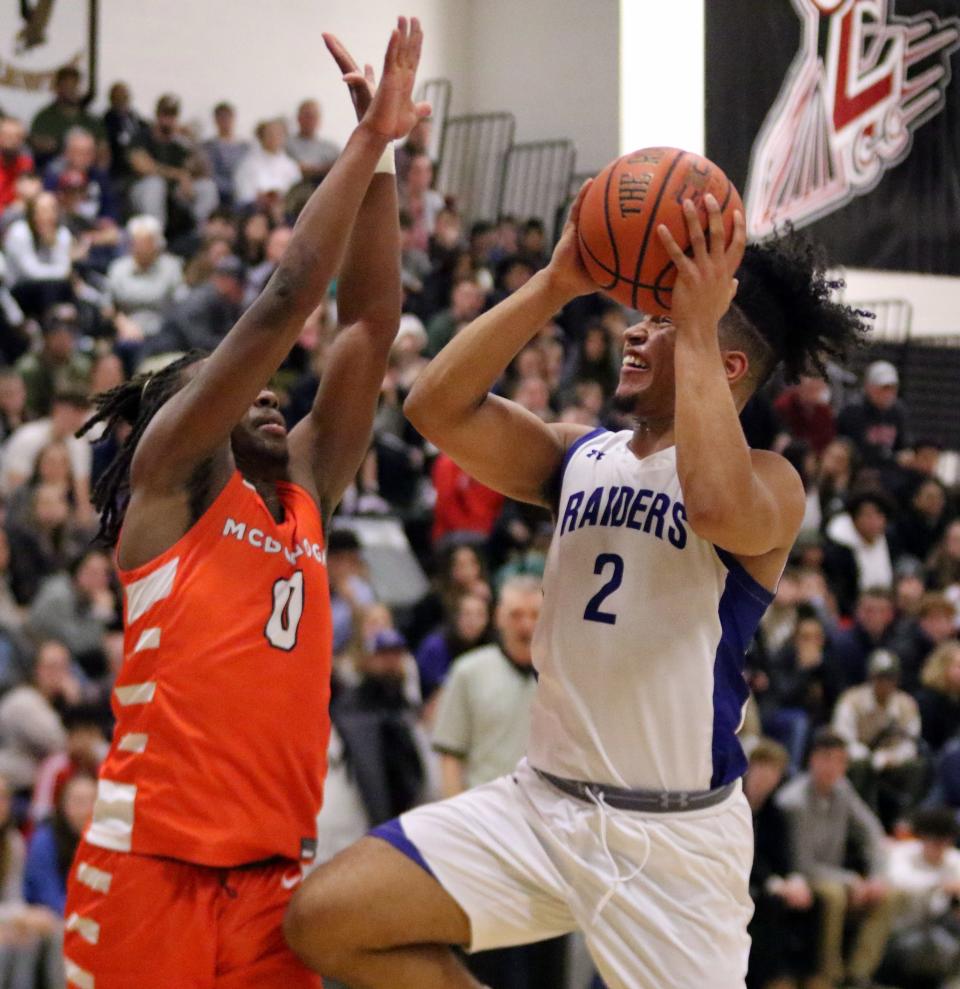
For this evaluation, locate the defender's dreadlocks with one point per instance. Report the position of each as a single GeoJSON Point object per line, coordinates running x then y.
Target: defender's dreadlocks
{"type": "Point", "coordinates": [135, 402]}
{"type": "Point", "coordinates": [783, 313]}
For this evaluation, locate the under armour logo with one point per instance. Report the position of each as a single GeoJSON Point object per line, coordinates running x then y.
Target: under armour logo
{"type": "Point", "coordinates": [599, 454]}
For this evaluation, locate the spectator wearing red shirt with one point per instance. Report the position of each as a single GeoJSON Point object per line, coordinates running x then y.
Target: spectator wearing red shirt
{"type": "Point", "coordinates": [463, 504]}
{"type": "Point", "coordinates": [806, 413]}
{"type": "Point", "coordinates": [15, 160]}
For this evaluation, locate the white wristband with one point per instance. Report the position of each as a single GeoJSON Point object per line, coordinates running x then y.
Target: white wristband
{"type": "Point", "coordinates": [387, 163]}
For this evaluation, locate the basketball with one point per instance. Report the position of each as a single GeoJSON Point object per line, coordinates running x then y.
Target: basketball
{"type": "Point", "coordinates": [619, 217]}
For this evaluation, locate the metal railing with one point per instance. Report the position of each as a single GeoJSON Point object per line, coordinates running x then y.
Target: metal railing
{"type": "Point", "coordinates": [536, 181]}
{"type": "Point", "coordinates": [471, 166]}
{"type": "Point", "coordinates": [437, 93]}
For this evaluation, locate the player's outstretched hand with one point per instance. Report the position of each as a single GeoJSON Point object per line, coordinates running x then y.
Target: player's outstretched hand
{"type": "Point", "coordinates": [391, 112]}
{"type": "Point", "coordinates": [705, 285]}
{"type": "Point", "coordinates": [566, 269]}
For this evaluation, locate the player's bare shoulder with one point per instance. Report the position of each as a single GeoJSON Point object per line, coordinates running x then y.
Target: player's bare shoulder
{"type": "Point", "coordinates": [784, 484]}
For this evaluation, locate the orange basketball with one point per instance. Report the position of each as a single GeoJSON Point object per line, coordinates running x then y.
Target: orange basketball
{"type": "Point", "coordinates": [628, 200]}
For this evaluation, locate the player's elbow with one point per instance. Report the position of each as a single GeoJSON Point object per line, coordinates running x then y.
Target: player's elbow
{"type": "Point", "coordinates": [420, 406]}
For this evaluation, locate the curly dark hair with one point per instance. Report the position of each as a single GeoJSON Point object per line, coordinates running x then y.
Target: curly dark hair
{"type": "Point", "coordinates": [135, 402]}
{"type": "Point", "coordinates": [784, 313]}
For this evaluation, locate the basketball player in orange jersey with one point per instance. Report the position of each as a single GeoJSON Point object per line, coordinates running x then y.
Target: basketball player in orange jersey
{"type": "Point", "coordinates": [626, 819]}
{"type": "Point", "coordinates": [207, 800]}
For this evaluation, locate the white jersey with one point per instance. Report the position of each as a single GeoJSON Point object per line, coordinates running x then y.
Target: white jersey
{"type": "Point", "coordinates": [640, 643]}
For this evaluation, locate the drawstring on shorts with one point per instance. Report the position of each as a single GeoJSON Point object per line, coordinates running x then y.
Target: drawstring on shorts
{"type": "Point", "coordinates": [607, 814]}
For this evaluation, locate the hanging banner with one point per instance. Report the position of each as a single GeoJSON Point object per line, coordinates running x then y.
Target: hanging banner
{"type": "Point", "coordinates": [842, 116]}
{"type": "Point", "coordinates": [37, 37]}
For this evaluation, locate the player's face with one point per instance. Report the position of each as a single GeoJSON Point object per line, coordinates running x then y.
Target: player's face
{"type": "Point", "coordinates": [259, 441]}
{"type": "Point", "coordinates": [646, 373]}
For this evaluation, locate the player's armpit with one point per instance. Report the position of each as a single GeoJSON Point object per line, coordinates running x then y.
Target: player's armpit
{"type": "Point", "coordinates": [764, 518]}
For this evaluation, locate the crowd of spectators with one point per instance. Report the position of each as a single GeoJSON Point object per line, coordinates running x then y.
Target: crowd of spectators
{"type": "Point", "coordinates": [127, 239]}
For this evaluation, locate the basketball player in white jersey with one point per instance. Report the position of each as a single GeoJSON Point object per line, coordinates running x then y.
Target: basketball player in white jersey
{"type": "Point", "coordinates": [627, 818]}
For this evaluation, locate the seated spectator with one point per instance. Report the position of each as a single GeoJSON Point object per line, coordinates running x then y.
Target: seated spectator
{"type": "Point", "coordinates": [95, 241]}
{"type": "Point", "coordinates": [144, 283]}
{"type": "Point", "coordinates": [874, 627]}
{"type": "Point", "coordinates": [467, 629]}
{"type": "Point", "coordinates": [257, 277]}
{"type": "Point", "coordinates": [863, 530]}
{"type": "Point", "coordinates": [165, 187]}
{"type": "Point", "coordinates": [51, 124]}
{"type": "Point", "coordinates": [78, 608]}
{"type": "Point", "coordinates": [225, 151]}
{"type": "Point", "coordinates": [923, 524]}
{"type": "Point", "coordinates": [593, 359]}
{"type": "Point", "coordinates": [943, 567]}
{"type": "Point", "coordinates": [85, 749]}
{"type": "Point", "coordinates": [533, 394]}
{"type": "Point", "coordinates": [68, 412]}
{"type": "Point", "coordinates": [881, 726]}
{"type": "Point", "coordinates": [54, 844]}
{"type": "Point", "coordinates": [204, 317]}
{"type": "Point", "coordinates": [97, 202]}
{"type": "Point", "coordinates": [315, 155]}
{"type": "Point", "coordinates": [838, 846]}
{"type": "Point", "coordinates": [839, 463]}
{"type": "Point", "coordinates": [29, 935]}
{"type": "Point", "coordinates": [466, 304]}
{"type": "Point", "coordinates": [15, 159]}
{"type": "Point", "coordinates": [936, 622]}
{"type": "Point", "coordinates": [512, 273]}
{"type": "Point", "coordinates": [124, 128]}
{"type": "Point", "coordinates": [924, 874]}
{"type": "Point", "coordinates": [38, 254]}
{"type": "Point", "coordinates": [877, 421]}
{"type": "Point", "coordinates": [417, 143]}
{"type": "Point", "coordinates": [805, 681]}
{"type": "Point", "coordinates": [939, 697]}
{"type": "Point", "coordinates": [420, 201]}
{"type": "Point", "coordinates": [783, 930]}
{"type": "Point", "coordinates": [464, 508]}
{"type": "Point", "coordinates": [460, 569]}
{"type": "Point", "coordinates": [532, 242]}
{"type": "Point", "coordinates": [267, 169]}
{"type": "Point", "coordinates": [58, 366]}
{"type": "Point", "coordinates": [42, 542]}
{"type": "Point", "coordinates": [54, 468]}
{"type": "Point", "coordinates": [350, 591]}
{"type": "Point", "coordinates": [30, 725]}
{"type": "Point", "coordinates": [13, 402]}
{"type": "Point", "coordinates": [806, 413]}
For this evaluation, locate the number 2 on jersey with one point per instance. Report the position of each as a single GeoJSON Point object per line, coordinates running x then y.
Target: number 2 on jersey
{"type": "Point", "coordinates": [593, 612]}
{"type": "Point", "coordinates": [281, 630]}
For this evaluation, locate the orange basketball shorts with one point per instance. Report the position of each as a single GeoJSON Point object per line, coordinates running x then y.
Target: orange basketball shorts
{"type": "Point", "coordinates": [137, 922]}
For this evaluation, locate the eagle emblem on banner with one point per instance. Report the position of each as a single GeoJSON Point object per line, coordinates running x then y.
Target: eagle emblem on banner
{"type": "Point", "coordinates": [862, 83]}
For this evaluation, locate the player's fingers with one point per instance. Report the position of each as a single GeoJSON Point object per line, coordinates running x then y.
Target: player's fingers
{"type": "Point", "coordinates": [370, 75]}
{"type": "Point", "coordinates": [423, 110]}
{"type": "Point", "coordinates": [404, 42]}
{"type": "Point", "coordinates": [715, 222]}
{"type": "Point", "coordinates": [697, 239]}
{"type": "Point", "coordinates": [738, 245]}
{"type": "Point", "coordinates": [340, 54]}
{"type": "Point", "coordinates": [416, 33]}
{"type": "Point", "coordinates": [393, 46]}
{"type": "Point", "coordinates": [672, 248]}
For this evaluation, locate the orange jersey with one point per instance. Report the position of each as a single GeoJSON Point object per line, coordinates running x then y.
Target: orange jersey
{"type": "Point", "coordinates": [219, 752]}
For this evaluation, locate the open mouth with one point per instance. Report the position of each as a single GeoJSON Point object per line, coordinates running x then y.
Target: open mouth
{"type": "Point", "coordinates": [631, 362]}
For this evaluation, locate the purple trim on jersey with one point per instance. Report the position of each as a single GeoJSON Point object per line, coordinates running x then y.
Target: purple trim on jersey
{"type": "Point", "coordinates": [575, 445]}
{"type": "Point", "coordinates": [392, 832]}
{"type": "Point", "coordinates": [742, 604]}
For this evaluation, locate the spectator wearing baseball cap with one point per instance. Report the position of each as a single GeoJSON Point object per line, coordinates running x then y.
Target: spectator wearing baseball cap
{"type": "Point", "coordinates": [881, 726]}
{"type": "Point", "coordinates": [877, 421]}
{"type": "Point", "coordinates": [58, 365]}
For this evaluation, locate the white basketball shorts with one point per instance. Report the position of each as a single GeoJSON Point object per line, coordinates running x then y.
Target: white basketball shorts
{"type": "Point", "coordinates": [662, 898]}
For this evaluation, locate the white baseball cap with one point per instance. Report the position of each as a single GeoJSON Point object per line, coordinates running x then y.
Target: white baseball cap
{"type": "Point", "coordinates": [882, 373]}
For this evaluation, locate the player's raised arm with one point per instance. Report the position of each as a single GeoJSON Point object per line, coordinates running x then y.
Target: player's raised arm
{"type": "Point", "coordinates": [329, 444]}
{"type": "Point", "coordinates": [200, 417]}
{"type": "Point", "coordinates": [495, 440]}
{"type": "Point", "coordinates": [748, 502]}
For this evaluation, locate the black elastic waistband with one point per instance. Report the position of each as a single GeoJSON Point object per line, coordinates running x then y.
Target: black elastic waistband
{"type": "Point", "coordinates": [648, 801]}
